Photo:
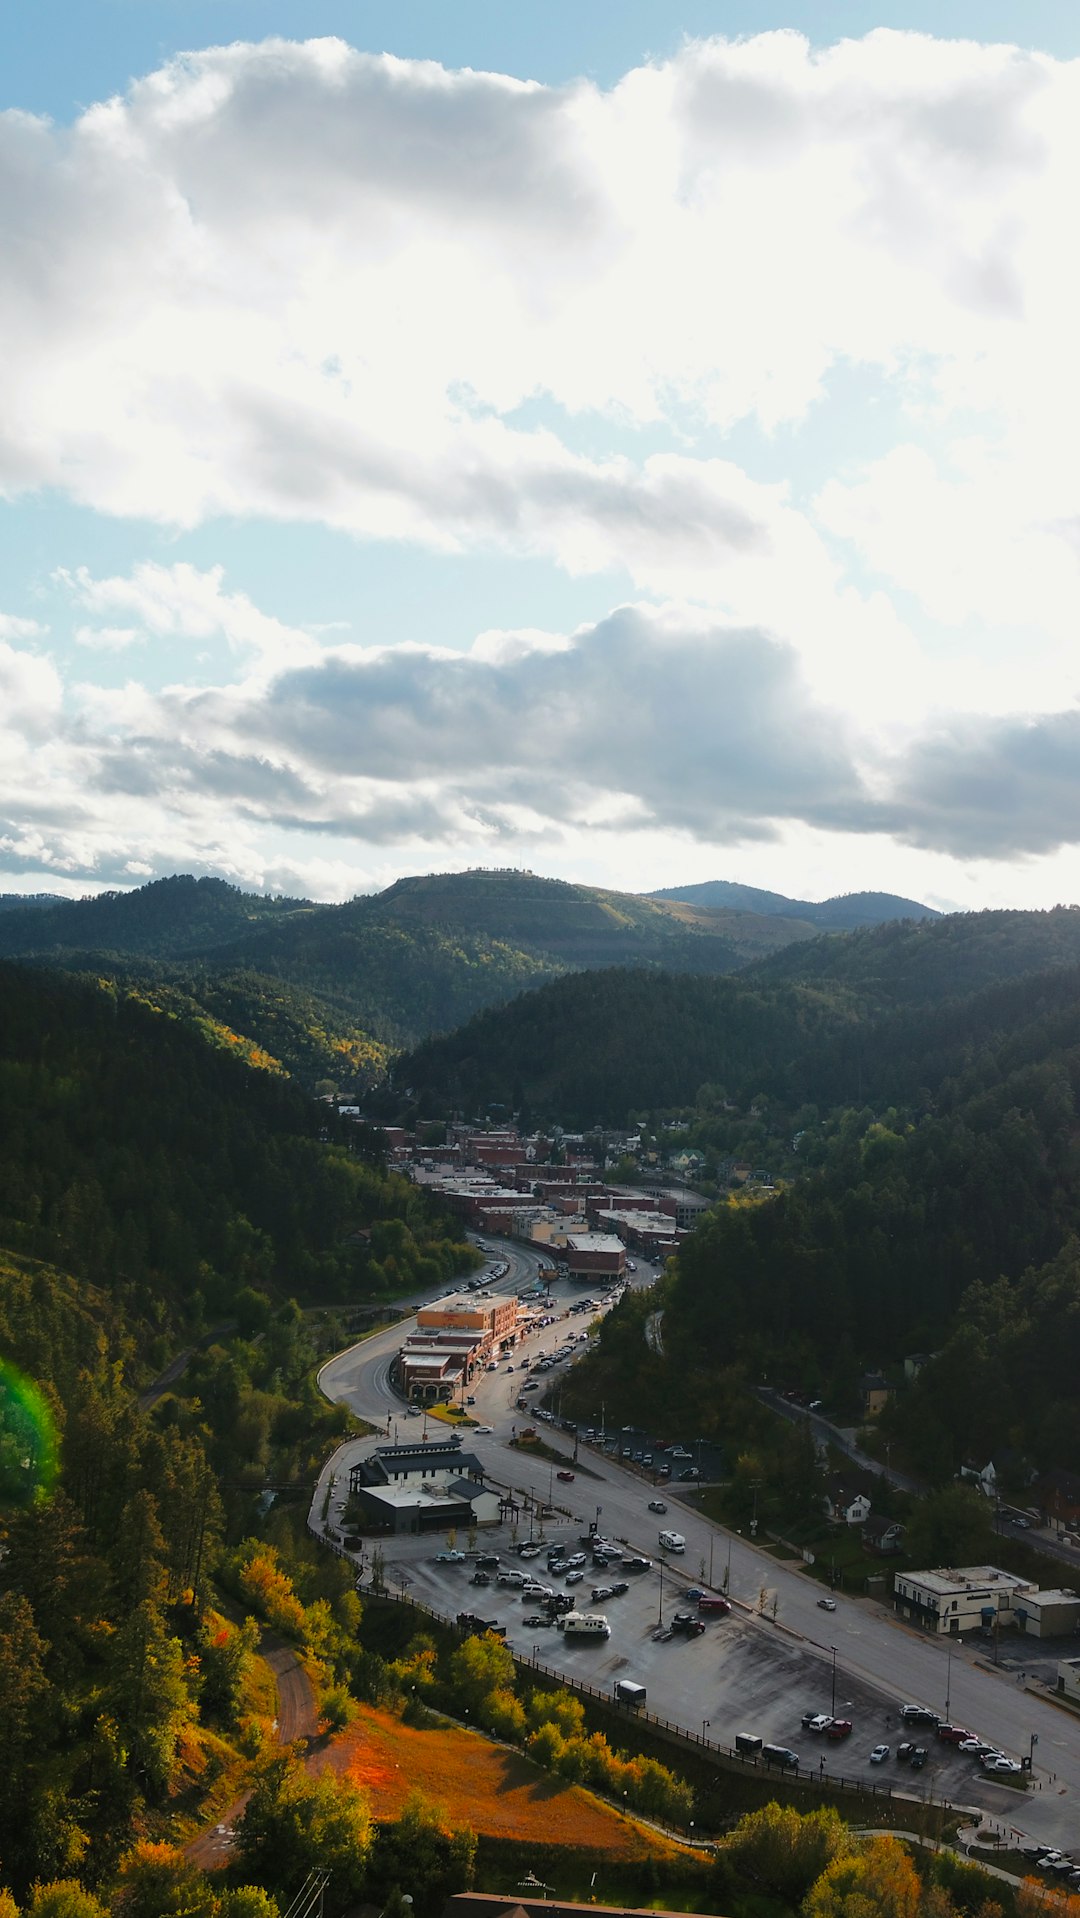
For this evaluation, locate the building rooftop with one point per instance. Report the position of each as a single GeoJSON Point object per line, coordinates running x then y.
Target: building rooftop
{"type": "Point", "coordinates": [952, 1582]}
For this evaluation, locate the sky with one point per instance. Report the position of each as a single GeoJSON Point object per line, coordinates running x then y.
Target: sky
{"type": "Point", "coordinates": [630, 442]}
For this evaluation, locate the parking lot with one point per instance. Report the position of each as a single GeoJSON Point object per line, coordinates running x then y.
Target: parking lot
{"type": "Point", "coordinates": [741, 1674]}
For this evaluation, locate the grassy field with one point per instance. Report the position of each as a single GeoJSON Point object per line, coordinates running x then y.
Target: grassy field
{"type": "Point", "coordinates": [498, 1793]}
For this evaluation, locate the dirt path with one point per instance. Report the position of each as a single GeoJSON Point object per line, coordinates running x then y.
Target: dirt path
{"type": "Point", "coordinates": [296, 1718]}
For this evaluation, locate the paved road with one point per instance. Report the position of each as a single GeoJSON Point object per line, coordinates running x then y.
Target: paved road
{"type": "Point", "coordinates": [765, 1668]}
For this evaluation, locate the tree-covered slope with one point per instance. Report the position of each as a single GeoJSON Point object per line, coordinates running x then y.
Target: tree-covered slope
{"type": "Point", "coordinates": [144, 1160]}
{"type": "Point", "coordinates": [846, 1017]}
{"type": "Point", "coordinates": [590, 1049]}
{"type": "Point", "coordinates": [921, 963]}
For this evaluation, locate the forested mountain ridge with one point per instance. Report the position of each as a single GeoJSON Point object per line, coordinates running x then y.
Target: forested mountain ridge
{"type": "Point", "coordinates": [166, 919]}
{"type": "Point", "coordinates": [342, 984]}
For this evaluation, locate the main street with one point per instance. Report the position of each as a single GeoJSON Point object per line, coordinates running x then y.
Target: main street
{"type": "Point", "coordinates": [781, 1654]}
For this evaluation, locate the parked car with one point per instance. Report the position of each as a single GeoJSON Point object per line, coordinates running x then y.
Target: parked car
{"type": "Point", "coordinates": [904, 1751]}
{"type": "Point", "coordinates": [694, 1593]}
{"type": "Point", "coordinates": [574, 1578]}
{"type": "Point", "coordinates": [918, 1715]}
{"type": "Point", "coordinates": [637, 1564]}
{"type": "Point", "coordinates": [827, 1604]}
{"type": "Point", "coordinates": [480, 1578]}
{"type": "Point", "coordinates": [690, 1472]}
{"type": "Point", "coordinates": [918, 1758]}
{"type": "Point", "coordinates": [879, 1754]}
{"type": "Point", "coordinates": [840, 1728]}
{"type": "Point", "coordinates": [820, 1722]}
{"type": "Point", "coordinates": [484, 1430]}
{"type": "Point", "coordinates": [953, 1734]}
{"type": "Point", "coordinates": [619, 1588]}
{"type": "Point", "coordinates": [712, 1602]}
{"type": "Point", "coordinates": [449, 1558]}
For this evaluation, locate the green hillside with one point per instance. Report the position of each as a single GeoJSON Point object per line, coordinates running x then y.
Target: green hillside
{"type": "Point", "coordinates": [844, 1017]}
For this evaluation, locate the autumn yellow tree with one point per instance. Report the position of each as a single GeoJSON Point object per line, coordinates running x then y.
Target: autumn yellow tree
{"type": "Point", "coordinates": [877, 1881]}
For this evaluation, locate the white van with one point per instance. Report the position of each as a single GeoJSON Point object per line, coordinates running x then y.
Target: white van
{"type": "Point", "coordinates": [672, 1542]}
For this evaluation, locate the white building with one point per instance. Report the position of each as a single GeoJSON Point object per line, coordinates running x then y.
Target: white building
{"type": "Point", "coordinates": [969, 1598]}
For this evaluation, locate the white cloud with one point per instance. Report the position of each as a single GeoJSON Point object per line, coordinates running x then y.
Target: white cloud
{"type": "Point", "coordinates": [299, 282]}
{"type": "Point", "coordinates": [13, 627]}
{"type": "Point", "coordinates": [181, 602]}
{"type": "Point", "coordinates": [302, 281]}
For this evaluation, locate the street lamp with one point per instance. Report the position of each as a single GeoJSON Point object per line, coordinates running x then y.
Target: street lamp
{"type": "Point", "coordinates": [660, 1613]}
{"type": "Point", "coordinates": [832, 1707]}
{"type": "Point", "coordinates": [705, 1723]}
{"type": "Point", "coordinates": [948, 1677]}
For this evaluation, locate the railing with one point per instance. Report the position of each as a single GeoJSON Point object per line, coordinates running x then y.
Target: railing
{"type": "Point", "coordinates": [679, 1735]}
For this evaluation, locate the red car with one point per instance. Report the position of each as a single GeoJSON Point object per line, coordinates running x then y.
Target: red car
{"type": "Point", "coordinates": [567, 1477]}
{"type": "Point", "coordinates": [840, 1728]}
{"type": "Point", "coordinates": [708, 1602]}
{"type": "Point", "coordinates": [953, 1734]}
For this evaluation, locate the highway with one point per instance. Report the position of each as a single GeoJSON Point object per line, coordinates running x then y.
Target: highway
{"type": "Point", "coordinates": [781, 1652]}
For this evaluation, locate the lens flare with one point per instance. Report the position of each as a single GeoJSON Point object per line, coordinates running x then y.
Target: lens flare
{"type": "Point", "coordinates": [29, 1449]}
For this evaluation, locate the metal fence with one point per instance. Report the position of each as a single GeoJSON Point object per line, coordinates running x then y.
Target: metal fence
{"type": "Point", "coordinates": [724, 1756]}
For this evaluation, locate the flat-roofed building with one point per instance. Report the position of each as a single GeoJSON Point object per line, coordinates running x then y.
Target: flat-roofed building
{"type": "Point", "coordinates": [591, 1255]}
{"type": "Point", "coordinates": [685, 1207]}
{"type": "Point", "coordinates": [494, 1319]}
{"type": "Point", "coordinates": [961, 1599]}
{"type": "Point", "coordinates": [1048, 1614]}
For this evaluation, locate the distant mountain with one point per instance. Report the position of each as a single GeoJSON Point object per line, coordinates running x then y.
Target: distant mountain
{"type": "Point", "coordinates": [845, 913]}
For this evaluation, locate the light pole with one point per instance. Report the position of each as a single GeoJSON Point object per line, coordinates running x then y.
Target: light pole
{"type": "Point", "coordinates": [948, 1677]}
{"type": "Point", "coordinates": [832, 1707]}
{"type": "Point", "coordinates": [705, 1723]}
{"type": "Point", "coordinates": [660, 1613]}
{"type": "Point", "coordinates": [712, 1542]}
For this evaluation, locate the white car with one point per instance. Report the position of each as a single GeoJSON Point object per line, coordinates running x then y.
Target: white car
{"type": "Point", "coordinates": [484, 1430]}
{"type": "Point", "coordinates": [449, 1558]}
{"type": "Point", "coordinates": [821, 1723]}
{"type": "Point", "coordinates": [879, 1754]}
